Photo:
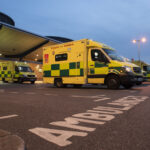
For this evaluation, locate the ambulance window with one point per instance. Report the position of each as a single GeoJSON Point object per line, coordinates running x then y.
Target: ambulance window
{"type": "Point", "coordinates": [61, 57]}
{"type": "Point", "coordinates": [96, 54]}
{"type": "Point", "coordinates": [16, 69]}
{"type": "Point", "coordinates": [4, 68]}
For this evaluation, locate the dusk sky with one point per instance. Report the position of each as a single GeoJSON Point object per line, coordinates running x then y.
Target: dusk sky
{"type": "Point", "coordinates": [113, 22]}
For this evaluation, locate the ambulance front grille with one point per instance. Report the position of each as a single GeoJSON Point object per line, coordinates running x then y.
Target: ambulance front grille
{"type": "Point", "coordinates": [137, 69]}
{"type": "Point", "coordinates": [30, 76]}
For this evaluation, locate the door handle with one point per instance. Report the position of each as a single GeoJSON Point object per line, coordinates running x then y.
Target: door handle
{"type": "Point", "coordinates": [91, 65]}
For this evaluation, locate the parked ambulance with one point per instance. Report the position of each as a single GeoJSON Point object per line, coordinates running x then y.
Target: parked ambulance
{"type": "Point", "coordinates": [87, 62]}
{"type": "Point", "coordinates": [13, 71]}
{"type": "Point", "coordinates": [147, 71]}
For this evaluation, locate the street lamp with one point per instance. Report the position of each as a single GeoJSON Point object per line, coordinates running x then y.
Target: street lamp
{"type": "Point", "coordinates": [142, 40]}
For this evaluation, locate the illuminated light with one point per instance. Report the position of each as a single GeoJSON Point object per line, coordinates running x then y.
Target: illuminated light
{"type": "Point", "coordinates": [37, 55]}
{"type": "Point", "coordinates": [139, 41]}
{"type": "Point", "coordinates": [36, 59]}
{"type": "Point", "coordinates": [40, 70]}
{"type": "Point", "coordinates": [143, 40]}
{"type": "Point", "coordinates": [37, 67]}
{"type": "Point", "coordinates": [133, 41]}
{"type": "Point", "coordinates": [0, 54]}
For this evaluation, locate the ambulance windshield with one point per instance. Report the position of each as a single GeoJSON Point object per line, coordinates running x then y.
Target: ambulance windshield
{"type": "Point", "coordinates": [148, 68]}
{"type": "Point", "coordinates": [113, 55]}
{"type": "Point", "coordinates": [24, 69]}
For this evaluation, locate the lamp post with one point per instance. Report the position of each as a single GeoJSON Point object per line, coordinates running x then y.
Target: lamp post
{"type": "Point", "coordinates": [142, 40]}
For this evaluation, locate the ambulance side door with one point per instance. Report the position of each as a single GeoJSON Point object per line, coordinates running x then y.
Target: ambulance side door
{"type": "Point", "coordinates": [97, 66]}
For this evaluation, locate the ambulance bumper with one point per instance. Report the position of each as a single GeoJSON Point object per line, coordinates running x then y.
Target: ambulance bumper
{"type": "Point", "coordinates": [145, 79]}
{"type": "Point", "coordinates": [131, 79]}
{"type": "Point", "coordinates": [148, 78]}
{"type": "Point", "coordinates": [28, 79]}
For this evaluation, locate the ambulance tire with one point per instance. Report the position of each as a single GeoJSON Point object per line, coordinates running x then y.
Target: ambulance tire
{"type": "Point", "coordinates": [4, 80]}
{"type": "Point", "coordinates": [113, 82]}
{"type": "Point", "coordinates": [138, 83]}
{"type": "Point", "coordinates": [77, 85]}
{"type": "Point", "coordinates": [128, 86]}
{"type": "Point", "coordinates": [58, 83]}
{"type": "Point", "coordinates": [32, 82]}
{"type": "Point", "coordinates": [20, 81]}
{"type": "Point", "coordinates": [65, 85]}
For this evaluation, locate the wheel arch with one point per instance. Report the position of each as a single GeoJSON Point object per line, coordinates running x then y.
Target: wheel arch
{"type": "Point", "coordinates": [110, 74]}
{"type": "Point", "coordinates": [57, 79]}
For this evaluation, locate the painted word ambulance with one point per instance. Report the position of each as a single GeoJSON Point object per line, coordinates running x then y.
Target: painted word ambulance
{"type": "Point", "coordinates": [12, 71]}
{"type": "Point", "coordinates": [87, 62]}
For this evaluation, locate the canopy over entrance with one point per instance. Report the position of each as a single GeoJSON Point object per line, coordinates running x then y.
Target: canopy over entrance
{"type": "Point", "coordinates": [19, 44]}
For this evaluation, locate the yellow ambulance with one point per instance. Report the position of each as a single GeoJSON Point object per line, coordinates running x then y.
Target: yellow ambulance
{"type": "Point", "coordinates": [147, 70]}
{"type": "Point", "coordinates": [87, 62]}
{"type": "Point", "coordinates": [13, 71]}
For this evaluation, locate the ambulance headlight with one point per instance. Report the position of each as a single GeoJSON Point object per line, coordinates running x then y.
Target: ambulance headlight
{"type": "Point", "coordinates": [128, 69]}
{"type": "Point", "coordinates": [24, 75]}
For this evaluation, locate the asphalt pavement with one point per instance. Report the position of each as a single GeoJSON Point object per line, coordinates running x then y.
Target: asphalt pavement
{"type": "Point", "coordinates": [88, 118]}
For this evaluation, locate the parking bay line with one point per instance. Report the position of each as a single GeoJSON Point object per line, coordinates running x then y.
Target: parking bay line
{"type": "Point", "coordinates": [48, 94]}
{"type": "Point", "coordinates": [97, 98]}
{"type": "Point", "coordinates": [30, 93]}
{"type": "Point", "coordinates": [133, 91]}
{"type": "Point", "coordinates": [13, 92]}
{"type": "Point", "coordinates": [9, 116]}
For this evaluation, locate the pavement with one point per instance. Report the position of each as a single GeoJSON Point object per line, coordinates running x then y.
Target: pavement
{"type": "Point", "coordinates": [37, 82]}
{"type": "Point", "coordinates": [9, 141]}
{"type": "Point", "coordinates": [37, 113]}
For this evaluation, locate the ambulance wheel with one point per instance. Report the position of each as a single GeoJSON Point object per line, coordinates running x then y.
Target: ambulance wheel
{"type": "Point", "coordinates": [128, 86]}
{"type": "Point", "coordinates": [138, 83]}
{"type": "Point", "coordinates": [58, 83]}
{"type": "Point", "coordinates": [113, 82]}
{"type": "Point", "coordinates": [77, 85]}
{"type": "Point", "coordinates": [32, 82]}
{"type": "Point", "coordinates": [65, 85]}
{"type": "Point", "coordinates": [4, 80]}
{"type": "Point", "coordinates": [20, 81]}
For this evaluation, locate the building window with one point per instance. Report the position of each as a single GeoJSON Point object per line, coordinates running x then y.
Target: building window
{"type": "Point", "coordinates": [61, 57]}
